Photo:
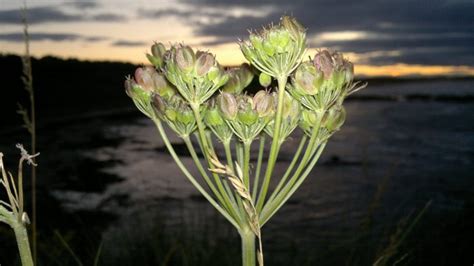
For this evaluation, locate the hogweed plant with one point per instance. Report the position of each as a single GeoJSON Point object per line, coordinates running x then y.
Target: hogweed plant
{"type": "Point", "coordinates": [12, 211]}
{"type": "Point", "coordinates": [196, 97]}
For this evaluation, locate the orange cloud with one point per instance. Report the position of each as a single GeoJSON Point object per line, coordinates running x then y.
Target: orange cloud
{"type": "Point", "coordinates": [400, 70]}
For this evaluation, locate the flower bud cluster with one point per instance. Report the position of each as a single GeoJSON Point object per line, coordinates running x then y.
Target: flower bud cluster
{"type": "Point", "coordinates": [196, 75]}
{"type": "Point", "coordinates": [290, 116]}
{"type": "Point", "coordinates": [278, 49]}
{"type": "Point", "coordinates": [181, 88]}
{"type": "Point", "coordinates": [324, 81]}
{"type": "Point", "coordinates": [326, 123]}
{"type": "Point", "coordinates": [214, 120]}
{"type": "Point", "coordinates": [247, 116]}
{"type": "Point", "coordinates": [176, 112]}
{"type": "Point", "coordinates": [146, 83]}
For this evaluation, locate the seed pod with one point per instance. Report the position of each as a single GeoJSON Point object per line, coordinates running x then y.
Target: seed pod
{"type": "Point", "coordinates": [185, 115]}
{"type": "Point", "coordinates": [323, 62]}
{"type": "Point", "coordinates": [158, 50]}
{"type": "Point", "coordinates": [334, 118]}
{"type": "Point", "coordinates": [159, 104]}
{"type": "Point", "coordinates": [292, 26]}
{"type": "Point", "coordinates": [204, 62]}
{"type": "Point", "coordinates": [185, 58]}
{"type": "Point", "coordinates": [247, 116]}
{"type": "Point", "coordinates": [129, 84]}
{"type": "Point", "coordinates": [213, 117]}
{"type": "Point", "coordinates": [308, 79]}
{"type": "Point", "coordinates": [228, 105]}
{"type": "Point", "coordinates": [144, 78]}
{"type": "Point", "coordinates": [265, 80]}
{"type": "Point", "coordinates": [262, 103]}
{"type": "Point", "coordinates": [348, 71]}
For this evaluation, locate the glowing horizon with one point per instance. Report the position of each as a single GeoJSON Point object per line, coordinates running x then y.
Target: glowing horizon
{"type": "Point", "coordinates": [120, 30]}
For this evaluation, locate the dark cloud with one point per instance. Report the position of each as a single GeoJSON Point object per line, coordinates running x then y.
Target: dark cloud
{"type": "Point", "coordinates": [18, 37]}
{"type": "Point", "coordinates": [108, 17]}
{"type": "Point", "coordinates": [37, 15]}
{"type": "Point", "coordinates": [403, 24]}
{"type": "Point", "coordinates": [83, 4]}
{"type": "Point", "coordinates": [128, 43]}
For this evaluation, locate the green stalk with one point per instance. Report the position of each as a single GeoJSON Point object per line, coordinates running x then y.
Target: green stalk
{"type": "Point", "coordinates": [295, 187]}
{"type": "Point", "coordinates": [228, 154]}
{"type": "Point", "coordinates": [290, 168]}
{"type": "Point", "coordinates": [203, 172]}
{"type": "Point", "coordinates": [259, 166]}
{"type": "Point", "coordinates": [275, 143]}
{"type": "Point", "coordinates": [269, 207]}
{"type": "Point", "coordinates": [248, 247]}
{"type": "Point", "coordinates": [247, 146]}
{"type": "Point", "coordinates": [23, 243]}
{"type": "Point", "coordinates": [190, 177]}
{"type": "Point", "coordinates": [205, 145]}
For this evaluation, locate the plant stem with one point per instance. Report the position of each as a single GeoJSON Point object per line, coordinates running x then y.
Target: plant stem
{"type": "Point", "coordinates": [206, 148]}
{"type": "Point", "coordinates": [259, 167]}
{"type": "Point", "coordinates": [31, 126]}
{"type": "Point", "coordinates": [275, 143]}
{"type": "Point", "coordinates": [228, 154]}
{"type": "Point", "coordinates": [190, 177]}
{"type": "Point", "coordinates": [248, 247]}
{"type": "Point", "coordinates": [284, 195]}
{"type": "Point", "coordinates": [271, 205]}
{"type": "Point", "coordinates": [247, 145]}
{"type": "Point", "coordinates": [198, 164]}
{"type": "Point", "coordinates": [290, 168]}
{"type": "Point", "coordinates": [23, 243]}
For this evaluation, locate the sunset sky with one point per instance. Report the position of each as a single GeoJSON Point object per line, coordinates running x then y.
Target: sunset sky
{"type": "Point", "coordinates": [383, 38]}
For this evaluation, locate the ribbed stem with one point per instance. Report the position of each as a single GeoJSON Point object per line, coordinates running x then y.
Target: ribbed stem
{"type": "Point", "coordinates": [275, 143]}
{"type": "Point", "coordinates": [23, 244]}
{"type": "Point", "coordinates": [259, 167]}
{"type": "Point", "coordinates": [248, 247]}
{"type": "Point", "coordinates": [247, 145]}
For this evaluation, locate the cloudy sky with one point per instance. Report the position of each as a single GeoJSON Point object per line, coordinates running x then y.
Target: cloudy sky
{"type": "Point", "coordinates": [383, 37]}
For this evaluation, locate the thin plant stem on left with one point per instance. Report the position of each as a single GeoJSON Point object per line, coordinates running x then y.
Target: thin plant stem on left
{"type": "Point", "coordinates": [12, 211]}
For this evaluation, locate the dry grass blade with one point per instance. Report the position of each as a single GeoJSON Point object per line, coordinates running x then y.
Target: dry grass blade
{"type": "Point", "coordinates": [237, 182]}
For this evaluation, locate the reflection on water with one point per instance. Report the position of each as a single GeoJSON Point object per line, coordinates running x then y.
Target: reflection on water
{"type": "Point", "coordinates": [411, 151]}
